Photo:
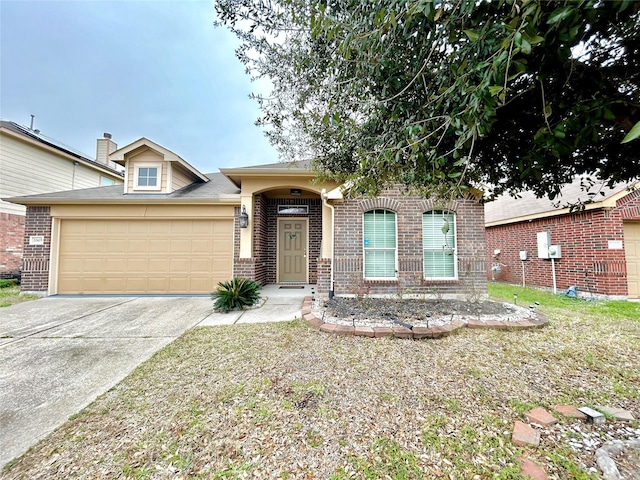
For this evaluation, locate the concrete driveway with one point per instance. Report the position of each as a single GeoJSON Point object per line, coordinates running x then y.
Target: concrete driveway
{"type": "Point", "coordinates": [58, 354]}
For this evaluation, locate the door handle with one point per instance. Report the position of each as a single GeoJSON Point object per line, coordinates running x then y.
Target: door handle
{"type": "Point", "coordinates": [304, 255]}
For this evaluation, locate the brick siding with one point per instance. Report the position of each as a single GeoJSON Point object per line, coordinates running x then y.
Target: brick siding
{"type": "Point", "coordinates": [35, 269]}
{"type": "Point", "coordinates": [11, 244]}
{"type": "Point", "coordinates": [262, 266]}
{"type": "Point", "coordinates": [348, 273]}
{"type": "Point", "coordinates": [587, 262]}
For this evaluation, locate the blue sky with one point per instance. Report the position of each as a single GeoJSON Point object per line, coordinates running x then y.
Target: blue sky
{"type": "Point", "coordinates": [155, 69]}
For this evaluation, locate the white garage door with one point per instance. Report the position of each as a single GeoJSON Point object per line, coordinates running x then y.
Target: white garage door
{"type": "Point", "coordinates": [632, 254]}
{"type": "Point", "coordinates": [144, 256]}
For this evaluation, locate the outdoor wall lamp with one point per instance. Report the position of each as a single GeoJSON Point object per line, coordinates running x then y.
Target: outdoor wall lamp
{"type": "Point", "coordinates": [244, 218]}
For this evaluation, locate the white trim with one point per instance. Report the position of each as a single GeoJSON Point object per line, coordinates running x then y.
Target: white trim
{"type": "Point", "coordinates": [168, 188]}
{"type": "Point", "coordinates": [136, 169]}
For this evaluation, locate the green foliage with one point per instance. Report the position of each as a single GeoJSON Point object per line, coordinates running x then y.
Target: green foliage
{"type": "Point", "coordinates": [441, 96]}
{"type": "Point", "coordinates": [8, 282]}
{"type": "Point", "coordinates": [236, 294]}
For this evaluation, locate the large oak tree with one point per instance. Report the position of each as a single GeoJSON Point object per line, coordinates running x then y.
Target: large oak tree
{"type": "Point", "coordinates": [441, 95]}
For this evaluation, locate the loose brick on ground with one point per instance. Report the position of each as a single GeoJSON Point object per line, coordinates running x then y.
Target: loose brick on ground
{"type": "Point", "coordinates": [541, 416]}
{"type": "Point", "coordinates": [523, 435]}
{"type": "Point", "coordinates": [531, 470]}
{"type": "Point", "coordinates": [569, 411]}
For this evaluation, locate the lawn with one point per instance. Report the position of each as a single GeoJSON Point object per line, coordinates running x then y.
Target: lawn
{"type": "Point", "coordinates": [10, 294]}
{"type": "Point", "coordinates": [287, 401]}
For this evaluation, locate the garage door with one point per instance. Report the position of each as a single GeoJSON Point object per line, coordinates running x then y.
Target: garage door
{"type": "Point", "coordinates": [632, 254]}
{"type": "Point", "coordinates": [144, 256]}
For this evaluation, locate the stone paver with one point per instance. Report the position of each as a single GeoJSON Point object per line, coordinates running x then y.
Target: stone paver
{"type": "Point", "coordinates": [569, 411]}
{"type": "Point", "coordinates": [523, 435]}
{"type": "Point", "coordinates": [593, 416]}
{"type": "Point", "coordinates": [619, 414]}
{"type": "Point", "coordinates": [541, 417]}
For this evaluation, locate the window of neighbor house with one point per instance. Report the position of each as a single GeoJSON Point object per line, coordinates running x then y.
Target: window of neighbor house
{"type": "Point", "coordinates": [380, 246]}
{"type": "Point", "coordinates": [439, 244]}
{"type": "Point", "coordinates": [106, 181]}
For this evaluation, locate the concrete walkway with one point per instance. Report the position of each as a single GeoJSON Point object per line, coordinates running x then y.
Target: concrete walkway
{"type": "Point", "coordinates": [58, 354]}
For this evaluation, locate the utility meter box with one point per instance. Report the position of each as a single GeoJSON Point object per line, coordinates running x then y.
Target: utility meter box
{"type": "Point", "coordinates": [523, 255]}
{"type": "Point", "coordinates": [544, 241]}
{"type": "Point", "coordinates": [555, 251]}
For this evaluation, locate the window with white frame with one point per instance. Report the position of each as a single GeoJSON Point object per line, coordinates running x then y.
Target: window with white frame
{"type": "Point", "coordinates": [439, 244]}
{"type": "Point", "coordinates": [380, 246]}
{"type": "Point", "coordinates": [147, 177]}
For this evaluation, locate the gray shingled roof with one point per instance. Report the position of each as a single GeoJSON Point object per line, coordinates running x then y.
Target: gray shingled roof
{"type": "Point", "coordinates": [217, 186]}
{"type": "Point", "coordinates": [505, 207]}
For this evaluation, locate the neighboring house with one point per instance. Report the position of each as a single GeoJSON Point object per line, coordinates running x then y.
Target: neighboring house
{"type": "Point", "coordinates": [31, 163]}
{"type": "Point", "coordinates": [599, 246]}
{"type": "Point", "coordinates": [172, 229]}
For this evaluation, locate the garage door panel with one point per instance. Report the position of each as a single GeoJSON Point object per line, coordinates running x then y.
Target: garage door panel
{"type": "Point", "coordinates": [158, 245]}
{"type": "Point", "coordinates": [137, 246]}
{"type": "Point", "coordinates": [144, 256]}
{"type": "Point", "coordinates": [201, 246]}
{"type": "Point", "coordinates": [180, 245]}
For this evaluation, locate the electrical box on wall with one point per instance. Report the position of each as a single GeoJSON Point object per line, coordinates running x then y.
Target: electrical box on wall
{"type": "Point", "coordinates": [544, 241]}
{"type": "Point", "coordinates": [523, 255]}
{"type": "Point", "coordinates": [555, 251]}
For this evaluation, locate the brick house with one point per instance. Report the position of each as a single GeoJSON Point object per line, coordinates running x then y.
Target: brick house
{"type": "Point", "coordinates": [172, 229]}
{"type": "Point", "coordinates": [31, 163]}
{"type": "Point", "coordinates": [599, 245]}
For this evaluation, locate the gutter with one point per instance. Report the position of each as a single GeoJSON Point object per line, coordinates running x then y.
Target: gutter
{"type": "Point", "coordinates": [325, 196]}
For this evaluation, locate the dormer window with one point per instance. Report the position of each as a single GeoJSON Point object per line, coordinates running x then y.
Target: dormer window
{"type": "Point", "coordinates": [147, 177]}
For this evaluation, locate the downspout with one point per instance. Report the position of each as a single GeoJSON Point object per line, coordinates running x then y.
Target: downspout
{"type": "Point", "coordinates": [324, 196]}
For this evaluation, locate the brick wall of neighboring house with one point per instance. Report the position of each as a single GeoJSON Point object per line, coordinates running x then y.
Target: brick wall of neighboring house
{"type": "Point", "coordinates": [11, 244]}
{"type": "Point", "coordinates": [348, 256]}
{"type": "Point", "coordinates": [35, 260]}
{"type": "Point", "coordinates": [587, 261]}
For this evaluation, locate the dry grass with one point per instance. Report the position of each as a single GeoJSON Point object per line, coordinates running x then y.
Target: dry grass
{"type": "Point", "coordinates": [10, 295]}
{"type": "Point", "coordinates": [286, 401]}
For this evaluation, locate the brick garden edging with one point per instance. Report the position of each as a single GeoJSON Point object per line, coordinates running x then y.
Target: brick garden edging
{"type": "Point", "coordinates": [416, 333]}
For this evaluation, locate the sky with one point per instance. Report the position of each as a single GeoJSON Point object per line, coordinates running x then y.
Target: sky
{"type": "Point", "coordinates": [154, 68]}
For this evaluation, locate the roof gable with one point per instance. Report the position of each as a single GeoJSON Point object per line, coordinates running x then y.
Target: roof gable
{"type": "Point", "coordinates": [119, 155]}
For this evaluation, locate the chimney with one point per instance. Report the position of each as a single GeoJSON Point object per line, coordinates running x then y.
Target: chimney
{"type": "Point", "coordinates": [105, 147]}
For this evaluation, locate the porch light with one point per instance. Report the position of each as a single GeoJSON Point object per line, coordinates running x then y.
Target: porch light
{"type": "Point", "coordinates": [244, 218]}
{"type": "Point", "coordinates": [295, 192]}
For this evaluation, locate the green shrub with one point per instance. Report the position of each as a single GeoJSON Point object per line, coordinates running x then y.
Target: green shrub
{"type": "Point", "coordinates": [236, 294]}
{"type": "Point", "coordinates": [8, 282]}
